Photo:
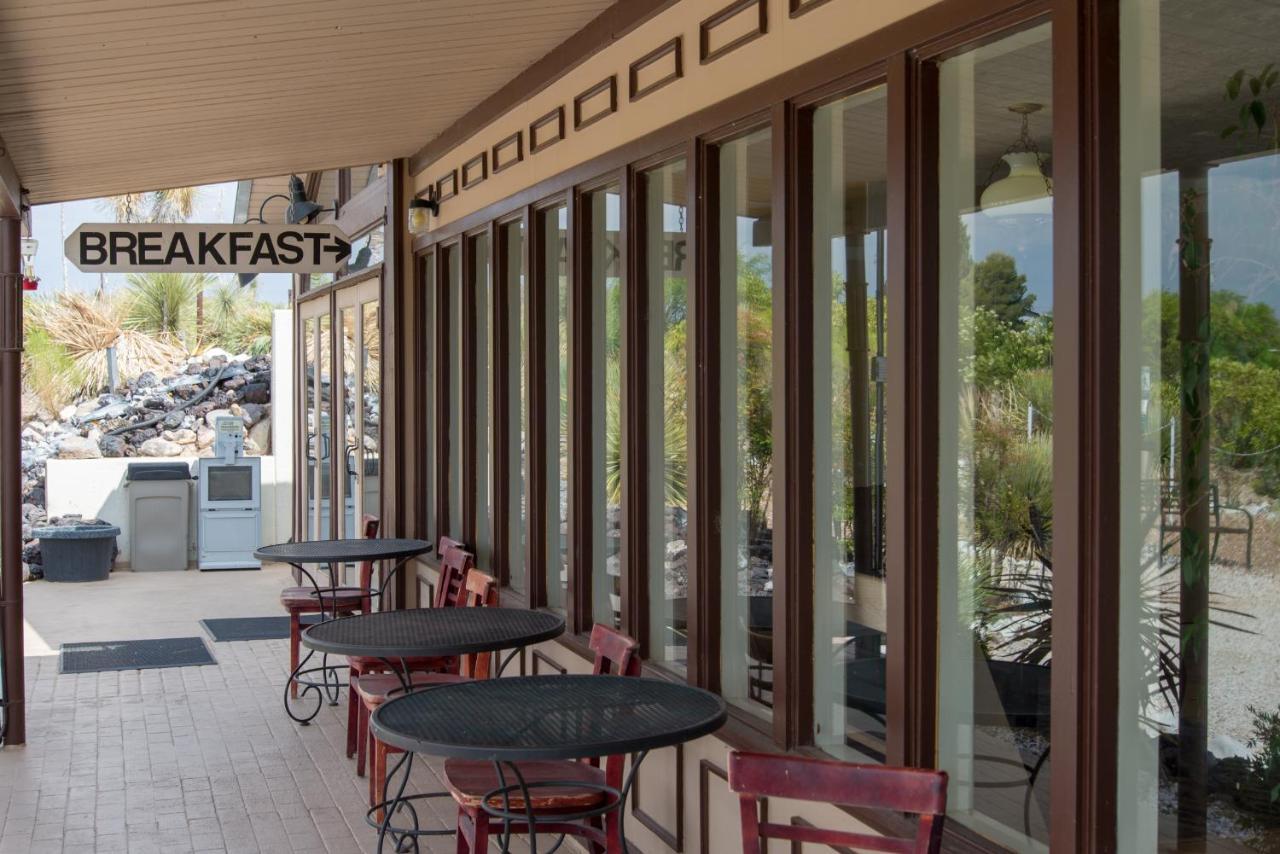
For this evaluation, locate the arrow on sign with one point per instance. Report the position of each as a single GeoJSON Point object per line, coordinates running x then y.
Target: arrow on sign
{"type": "Point", "coordinates": [218, 248]}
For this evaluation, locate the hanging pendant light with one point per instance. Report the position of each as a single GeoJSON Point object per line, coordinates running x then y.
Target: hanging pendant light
{"type": "Point", "coordinates": [1026, 189]}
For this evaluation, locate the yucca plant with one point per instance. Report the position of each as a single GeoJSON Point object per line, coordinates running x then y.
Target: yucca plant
{"type": "Point", "coordinates": [164, 303]}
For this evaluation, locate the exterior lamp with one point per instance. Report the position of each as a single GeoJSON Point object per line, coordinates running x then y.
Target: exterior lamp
{"type": "Point", "coordinates": [300, 207]}
{"type": "Point", "coordinates": [1026, 189]}
{"type": "Point", "coordinates": [420, 211]}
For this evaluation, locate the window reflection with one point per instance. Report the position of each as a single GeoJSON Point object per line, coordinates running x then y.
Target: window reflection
{"type": "Point", "coordinates": [553, 224]}
{"type": "Point", "coordinates": [996, 435]}
{"type": "Point", "coordinates": [1199, 718]}
{"type": "Point", "coordinates": [667, 266]}
{"type": "Point", "coordinates": [602, 212]}
{"type": "Point", "coordinates": [746, 383]}
{"type": "Point", "coordinates": [849, 176]}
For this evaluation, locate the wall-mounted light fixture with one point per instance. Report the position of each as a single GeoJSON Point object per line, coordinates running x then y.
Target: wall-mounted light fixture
{"type": "Point", "coordinates": [420, 210]}
{"type": "Point", "coordinates": [300, 209]}
{"type": "Point", "coordinates": [1026, 189]}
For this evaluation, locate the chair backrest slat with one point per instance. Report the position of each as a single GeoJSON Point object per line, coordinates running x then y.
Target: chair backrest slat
{"type": "Point", "coordinates": [370, 525]}
{"type": "Point", "coordinates": [755, 776]}
{"type": "Point", "coordinates": [454, 564]}
{"type": "Point", "coordinates": [615, 652]}
{"type": "Point", "coordinates": [831, 838]}
{"type": "Point", "coordinates": [480, 591]}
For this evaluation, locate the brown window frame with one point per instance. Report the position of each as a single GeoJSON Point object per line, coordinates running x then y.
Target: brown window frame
{"type": "Point", "coordinates": [904, 57]}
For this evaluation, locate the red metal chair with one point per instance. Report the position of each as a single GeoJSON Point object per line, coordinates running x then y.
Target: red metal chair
{"type": "Point", "coordinates": [469, 781]}
{"type": "Point", "coordinates": [454, 565]}
{"type": "Point", "coordinates": [903, 790]}
{"type": "Point", "coordinates": [480, 591]}
{"type": "Point", "coordinates": [346, 600]}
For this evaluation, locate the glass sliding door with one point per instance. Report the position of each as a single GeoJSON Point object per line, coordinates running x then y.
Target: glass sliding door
{"type": "Point", "coordinates": [553, 235]}
{"type": "Point", "coordinates": [995, 290]}
{"type": "Point", "coordinates": [667, 267]}
{"type": "Point", "coordinates": [1199, 716]}
{"type": "Point", "coordinates": [601, 229]}
{"type": "Point", "coordinates": [359, 363]}
{"type": "Point", "coordinates": [318, 398]}
{"type": "Point", "coordinates": [479, 291]}
{"type": "Point", "coordinates": [430, 406]}
{"type": "Point", "coordinates": [451, 400]}
{"type": "Point", "coordinates": [744, 292]}
{"type": "Point", "coordinates": [514, 291]}
{"type": "Point", "coordinates": [848, 263]}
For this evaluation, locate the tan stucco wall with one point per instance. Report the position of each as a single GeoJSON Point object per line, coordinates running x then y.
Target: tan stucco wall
{"type": "Point", "coordinates": [789, 42]}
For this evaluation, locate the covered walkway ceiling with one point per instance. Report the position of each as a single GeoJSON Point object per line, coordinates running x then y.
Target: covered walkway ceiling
{"type": "Point", "coordinates": [102, 97]}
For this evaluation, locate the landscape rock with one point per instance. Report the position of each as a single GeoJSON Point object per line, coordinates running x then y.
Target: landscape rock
{"type": "Point", "coordinates": [78, 448]}
{"type": "Point", "coordinates": [204, 437]}
{"type": "Point", "coordinates": [159, 447]}
{"type": "Point", "coordinates": [211, 418]}
{"type": "Point", "coordinates": [258, 392]}
{"type": "Point", "coordinates": [260, 436]}
{"type": "Point", "coordinates": [112, 446]}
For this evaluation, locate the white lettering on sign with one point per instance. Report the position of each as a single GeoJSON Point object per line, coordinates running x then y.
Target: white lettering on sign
{"type": "Point", "coordinates": [220, 248]}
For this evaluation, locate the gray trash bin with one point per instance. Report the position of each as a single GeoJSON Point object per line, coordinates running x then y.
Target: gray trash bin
{"type": "Point", "coordinates": [159, 515]}
{"type": "Point", "coordinates": [77, 550]}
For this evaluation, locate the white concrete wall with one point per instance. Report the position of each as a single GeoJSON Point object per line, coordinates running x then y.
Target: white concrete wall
{"type": "Point", "coordinates": [96, 488]}
{"type": "Point", "coordinates": [282, 382]}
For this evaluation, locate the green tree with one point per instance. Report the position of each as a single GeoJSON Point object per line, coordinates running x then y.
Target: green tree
{"type": "Point", "coordinates": [999, 287]}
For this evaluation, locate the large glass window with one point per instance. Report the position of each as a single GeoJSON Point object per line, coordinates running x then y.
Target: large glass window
{"type": "Point", "coordinates": [515, 293]}
{"type": "Point", "coordinates": [601, 210]}
{"type": "Point", "coordinates": [1199, 712]}
{"type": "Point", "coordinates": [480, 292]}
{"type": "Point", "coordinates": [452, 401]}
{"type": "Point", "coordinates": [667, 266]}
{"type": "Point", "coordinates": [744, 244]}
{"type": "Point", "coordinates": [311, 390]}
{"type": "Point", "coordinates": [995, 512]}
{"type": "Point", "coordinates": [553, 227]}
{"type": "Point", "coordinates": [430, 406]}
{"type": "Point", "coordinates": [324, 436]}
{"type": "Point", "coordinates": [849, 178]}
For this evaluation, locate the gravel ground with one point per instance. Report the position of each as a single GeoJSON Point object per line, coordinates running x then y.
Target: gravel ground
{"type": "Point", "coordinates": [1242, 666]}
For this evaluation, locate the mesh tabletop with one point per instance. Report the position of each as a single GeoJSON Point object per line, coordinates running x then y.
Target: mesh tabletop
{"type": "Point", "coordinates": [433, 632]}
{"type": "Point", "coordinates": [343, 551]}
{"type": "Point", "coordinates": [548, 717]}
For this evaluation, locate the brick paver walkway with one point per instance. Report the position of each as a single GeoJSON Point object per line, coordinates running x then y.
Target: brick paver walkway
{"type": "Point", "coordinates": [184, 759]}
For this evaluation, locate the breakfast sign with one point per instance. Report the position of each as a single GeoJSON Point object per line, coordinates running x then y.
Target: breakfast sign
{"type": "Point", "coordinates": [218, 248]}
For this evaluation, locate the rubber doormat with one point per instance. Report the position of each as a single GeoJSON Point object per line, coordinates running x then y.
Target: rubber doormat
{"type": "Point", "coordinates": [252, 628]}
{"type": "Point", "coordinates": [133, 655]}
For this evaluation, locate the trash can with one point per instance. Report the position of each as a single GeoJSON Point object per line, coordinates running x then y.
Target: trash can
{"type": "Point", "coordinates": [77, 550]}
{"type": "Point", "coordinates": [159, 515]}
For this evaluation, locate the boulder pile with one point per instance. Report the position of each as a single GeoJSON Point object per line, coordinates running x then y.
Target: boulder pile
{"type": "Point", "coordinates": [150, 416]}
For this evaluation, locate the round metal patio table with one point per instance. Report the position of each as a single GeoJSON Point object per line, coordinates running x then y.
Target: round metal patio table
{"type": "Point", "coordinates": [393, 636]}
{"type": "Point", "coordinates": [332, 554]}
{"type": "Point", "coordinates": [506, 721]}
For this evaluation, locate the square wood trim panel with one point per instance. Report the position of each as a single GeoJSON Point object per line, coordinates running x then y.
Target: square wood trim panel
{"type": "Point", "coordinates": [447, 185]}
{"type": "Point", "coordinates": [546, 131]}
{"type": "Point", "coordinates": [475, 170]}
{"type": "Point", "coordinates": [508, 152]}
{"type": "Point", "coordinates": [656, 69]}
{"type": "Point", "coordinates": [739, 23]}
{"type": "Point", "coordinates": [596, 103]}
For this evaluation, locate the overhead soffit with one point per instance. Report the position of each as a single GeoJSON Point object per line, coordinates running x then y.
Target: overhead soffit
{"type": "Point", "coordinates": [101, 97]}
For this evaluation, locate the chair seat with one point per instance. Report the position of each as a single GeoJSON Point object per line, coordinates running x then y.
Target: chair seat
{"type": "Point", "coordinates": [470, 780]}
{"type": "Point", "coordinates": [368, 664]}
{"type": "Point", "coordinates": [305, 598]}
{"type": "Point", "coordinates": [374, 688]}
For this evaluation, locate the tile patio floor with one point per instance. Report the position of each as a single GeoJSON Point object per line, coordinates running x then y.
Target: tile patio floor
{"type": "Point", "coordinates": [176, 760]}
